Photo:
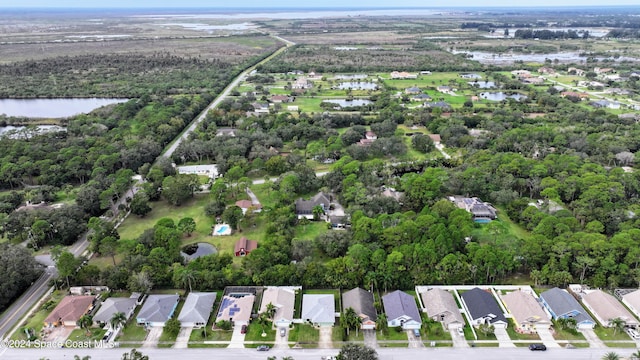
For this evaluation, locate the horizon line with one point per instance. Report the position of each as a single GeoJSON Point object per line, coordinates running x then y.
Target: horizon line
{"type": "Point", "coordinates": [317, 7]}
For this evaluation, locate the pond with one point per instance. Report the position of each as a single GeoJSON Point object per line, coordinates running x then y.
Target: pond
{"type": "Point", "coordinates": [499, 96]}
{"type": "Point", "coordinates": [52, 108]}
{"type": "Point", "coordinates": [357, 85]}
{"type": "Point", "coordinates": [510, 58]}
{"type": "Point", "coordinates": [194, 251]}
{"type": "Point", "coordinates": [483, 84]}
{"type": "Point", "coordinates": [350, 103]}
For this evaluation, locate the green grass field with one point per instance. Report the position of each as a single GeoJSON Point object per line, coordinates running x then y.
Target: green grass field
{"type": "Point", "coordinates": [36, 319]}
{"type": "Point", "coordinates": [304, 335]}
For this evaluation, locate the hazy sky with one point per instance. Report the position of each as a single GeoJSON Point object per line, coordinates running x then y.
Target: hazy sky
{"type": "Point", "coordinates": [307, 3]}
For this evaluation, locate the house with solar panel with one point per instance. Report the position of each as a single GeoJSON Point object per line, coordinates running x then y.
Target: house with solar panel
{"type": "Point", "coordinates": [236, 308]}
{"type": "Point", "coordinates": [482, 212]}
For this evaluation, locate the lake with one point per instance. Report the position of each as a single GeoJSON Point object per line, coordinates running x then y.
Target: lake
{"type": "Point", "coordinates": [357, 85]}
{"type": "Point", "coordinates": [52, 108]}
{"type": "Point", "coordinates": [510, 58]}
{"type": "Point", "coordinates": [194, 251]}
{"type": "Point", "coordinates": [499, 96]}
{"type": "Point", "coordinates": [483, 84]}
{"type": "Point", "coordinates": [349, 103]}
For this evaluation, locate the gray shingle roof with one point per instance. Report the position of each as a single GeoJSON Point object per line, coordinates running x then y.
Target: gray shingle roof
{"type": "Point", "coordinates": [158, 308]}
{"type": "Point", "coordinates": [482, 304]}
{"type": "Point", "coordinates": [563, 304]}
{"type": "Point", "coordinates": [440, 303]}
{"type": "Point", "coordinates": [398, 304]}
{"type": "Point", "coordinates": [361, 301]}
{"type": "Point", "coordinates": [197, 308]}
{"type": "Point", "coordinates": [114, 305]}
{"type": "Point", "coordinates": [319, 308]}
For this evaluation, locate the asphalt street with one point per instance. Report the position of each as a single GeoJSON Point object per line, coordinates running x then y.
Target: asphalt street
{"type": "Point", "coordinates": [315, 354]}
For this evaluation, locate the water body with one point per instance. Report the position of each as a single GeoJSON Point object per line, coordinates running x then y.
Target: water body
{"type": "Point", "coordinates": [52, 108]}
{"type": "Point", "coordinates": [510, 58]}
{"type": "Point", "coordinates": [350, 103]}
{"type": "Point", "coordinates": [482, 84]}
{"type": "Point", "coordinates": [194, 251]}
{"type": "Point", "coordinates": [288, 13]}
{"type": "Point", "coordinates": [210, 28]}
{"type": "Point", "coordinates": [350, 77]}
{"type": "Point", "coordinates": [358, 86]}
{"type": "Point", "coordinates": [499, 96]}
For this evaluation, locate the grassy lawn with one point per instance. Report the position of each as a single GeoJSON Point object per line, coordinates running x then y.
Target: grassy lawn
{"type": "Point", "coordinates": [81, 334]}
{"type": "Point", "coordinates": [166, 339]}
{"type": "Point", "coordinates": [392, 334]}
{"type": "Point", "coordinates": [434, 331]}
{"type": "Point", "coordinates": [304, 335]}
{"type": "Point", "coordinates": [36, 319]}
{"type": "Point", "coordinates": [514, 335]}
{"type": "Point", "coordinates": [212, 335]}
{"type": "Point", "coordinates": [255, 331]}
{"type": "Point", "coordinates": [311, 230]}
{"type": "Point", "coordinates": [609, 334]}
{"type": "Point", "coordinates": [337, 333]}
{"type": "Point", "coordinates": [132, 334]}
{"type": "Point", "coordinates": [264, 193]}
{"type": "Point", "coordinates": [565, 334]}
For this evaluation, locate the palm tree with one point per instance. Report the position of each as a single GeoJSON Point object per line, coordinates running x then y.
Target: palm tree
{"type": "Point", "coordinates": [635, 355]}
{"type": "Point", "coordinates": [617, 324]}
{"type": "Point", "coordinates": [271, 310]}
{"type": "Point", "coordinates": [85, 322]}
{"type": "Point", "coordinates": [611, 356]}
{"type": "Point", "coordinates": [118, 319]}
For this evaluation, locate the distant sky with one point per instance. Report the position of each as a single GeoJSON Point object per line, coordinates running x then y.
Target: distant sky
{"type": "Point", "coordinates": [300, 4]}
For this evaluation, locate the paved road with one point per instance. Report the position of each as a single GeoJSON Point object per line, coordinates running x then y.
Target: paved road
{"type": "Point", "coordinates": [194, 124]}
{"type": "Point", "coordinates": [315, 354]}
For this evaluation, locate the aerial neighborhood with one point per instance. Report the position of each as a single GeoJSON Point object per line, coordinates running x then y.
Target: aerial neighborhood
{"type": "Point", "coordinates": [345, 182]}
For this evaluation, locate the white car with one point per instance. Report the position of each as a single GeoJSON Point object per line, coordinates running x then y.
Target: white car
{"type": "Point", "coordinates": [633, 333]}
{"type": "Point", "coordinates": [460, 332]}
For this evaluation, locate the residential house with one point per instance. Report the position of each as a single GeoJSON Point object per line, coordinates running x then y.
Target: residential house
{"type": "Point", "coordinates": [319, 309]}
{"type": "Point", "coordinates": [480, 210]}
{"type": "Point", "coordinates": [526, 312]}
{"type": "Point", "coordinates": [293, 108]}
{"type": "Point", "coordinates": [412, 90]}
{"type": "Point", "coordinates": [630, 116]}
{"type": "Point", "coordinates": [599, 70]}
{"type": "Point", "coordinates": [483, 308]}
{"type": "Point", "coordinates": [277, 99]}
{"type": "Point", "coordinates": [435, 138]}
{"type": "Point", "coordinates": [284, 299]}
{"type": "Point", "coordinates": [576, 71]}
{"type": "Point", "coordinates": [157, 309]}
{"type": "Point", "coordinates": [521, 73]}
{"type": "Point", "coordinates": [401, 310]}
{"type": "Point", "coordinates": [244, 246]}
{"type": "Point", "coordinates": [403, 75]}
{"type": "Point", "coordinates": [302, 83]}
{"type": "Point", "coordinates": [573, 94]}
{"type": "Point", "coordinates": [533, 80]}
{"type": "Point", "coordinates": [605, 104]}
{"type": "Point", "coordinates": [546, 70]}
{"type": "Point", "coordinates": [365, 142]}
{"type": "Point", "coordinates": [197, 309]}
{"type": "Point", "coordinates": [420, 97]}
{"type": "Point", "coordinates": [562, 305]}
{"type": "Point", "coordinates": [438, 104]}
{"type": "Point", "coordinates": [247, 204]}
{"type": "Point", "coordinates": [361, 301]}
{"type": "Point", "coordinates": [370, 135]}
{"type": "Point", "coordinates": [606, 307]}
{"type": "Point", "coordinates": [70, 310]}
{"type": "Point", "coordinates": [632, 300]}
{"type": "Point", "coordinates": [440, 305]}
{"type": "Point", "coordinates": [259, 108]}
{"type": "Point", "coordinates": [236, 308]}
{"type": "Point", "coordinates": [314, 76]}
{"type": "Point", "coordinates": [618, 91]}
{"type": "Point", "coordinates": [210, 171]}
{"type": "Point", "coordinates": [304, 208]}
{"type": "Point", "coordinates": [444, 88]}
{"type": "Point", "coordinates": [226, 132]}
{"type": "Point", "coordinates": [112, 306]}
{"type": "Point", "coordinates": [471, 76]}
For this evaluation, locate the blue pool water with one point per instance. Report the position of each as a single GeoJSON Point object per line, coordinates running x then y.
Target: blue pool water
{"type": "Point", "coordinates": [482, 221]}
{"type": "Point", "coordinates": [222, 229]}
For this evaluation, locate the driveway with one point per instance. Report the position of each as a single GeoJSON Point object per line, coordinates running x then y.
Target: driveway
{"type": "Point", "coordinates": [592, 338]}
{"type": "Point", "coordinates": [370, 338]}
{"type": "Point", "coordinates": [152, 337]}
{"type": "Point", "coordinates": [237, 339]}
{"type": "Point", "coordinates": [458, 341]}
{"type": "Point", "coordinates": [281, 341]}
{"type": "Point", "coordinates": [414, 341]}
{"type": "Point", "coordinates": [182, 341]}
{"type": "Point", "coordinates": [547, 337]}
{"type": "Point", "coordinates": [254, 198]}
{"type": "Point", "coordinates": [503, 338]}
{"type": "Point", "coordinates": [325, 341]}
{"type": "Point", "coordinates": [58, 334]}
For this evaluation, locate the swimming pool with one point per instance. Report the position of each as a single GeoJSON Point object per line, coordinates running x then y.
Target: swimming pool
{"type": "Point", "coordinates": [222, 229]}
{"type": "Point", "coordinates": [482, 221]}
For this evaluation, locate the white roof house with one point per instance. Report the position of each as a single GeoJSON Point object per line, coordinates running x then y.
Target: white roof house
{"type": "Point", "coordinates": [606, 307]}
{"type": "Point", "coordinates": [440, 305]}
{"type": "Point", "coordinates": [525, 311]}
{"type": "Point", "coordinates": [319, 309]}
{"type": "Point", "coordinates": [632, 300]}
{"type": "Point", "coordinates": [284, 299]}
{"type": "Point", "coordinates": [197, 309]}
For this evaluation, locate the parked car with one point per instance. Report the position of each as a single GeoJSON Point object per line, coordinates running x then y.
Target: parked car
{"type": "Point", "coordinates": [243, 329]}
{"type": "Point", "coordinates": [263, 348]}
{"type": "Point", "coordinates": [537, 347]}
{"type": "Point", "coordinates": [283, 332]}
{"type": "Point", "coordinates": [460, 331]}
{"type": "Point", "coordinates": [416, 332]}
{"type": "Point", "coordinates": [633, 333]}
